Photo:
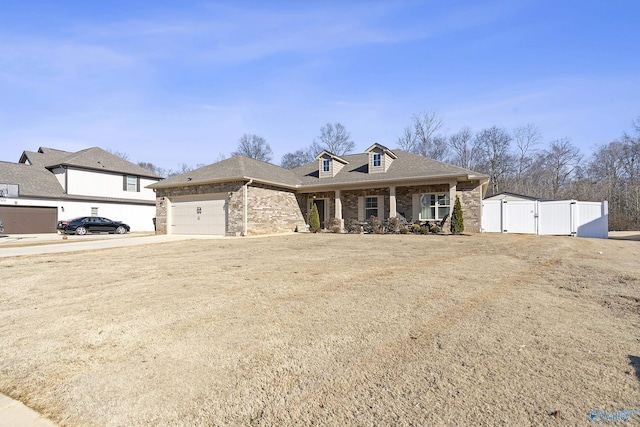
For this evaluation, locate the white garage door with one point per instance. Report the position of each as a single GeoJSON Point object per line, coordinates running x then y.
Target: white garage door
{"type": "Point", "coordinates": [203, 216]}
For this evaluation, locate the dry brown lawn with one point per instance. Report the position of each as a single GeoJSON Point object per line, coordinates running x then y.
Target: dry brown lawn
{"type": "Point", "coordinates": [326, 330]}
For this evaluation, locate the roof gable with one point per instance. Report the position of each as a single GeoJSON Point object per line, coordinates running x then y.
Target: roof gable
{"type": "Point", "coordinates": [98, 159]}
{"type": "Point", "coordinates": [237, 168]}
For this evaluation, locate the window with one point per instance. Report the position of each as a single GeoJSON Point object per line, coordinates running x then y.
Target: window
{"type": "Point", "coordinates": [370, 207]}
{"type": "Point", "coordinates": [326, 165]}
{"type": "Point", "coordinates": [377, 159]}
{"type": "Point", "coordinates": [131, 183]}
{"type": "Point", "coordinates": [434, 206]}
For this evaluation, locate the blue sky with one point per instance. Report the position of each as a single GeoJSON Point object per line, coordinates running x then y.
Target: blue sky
{"type": "Point", "coordinates": [179, 82]}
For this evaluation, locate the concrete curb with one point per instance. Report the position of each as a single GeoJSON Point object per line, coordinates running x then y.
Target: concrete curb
{"type": "Point", "coordinates": [16, 414]}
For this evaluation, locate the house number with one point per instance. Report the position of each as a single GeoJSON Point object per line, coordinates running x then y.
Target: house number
{"type": "Point", "coordinates": [198, 210]}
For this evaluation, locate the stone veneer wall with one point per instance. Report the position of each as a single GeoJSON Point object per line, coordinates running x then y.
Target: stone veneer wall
{"type": "Point", "coordinates": [470, 193]}
{"type": "Point", "coordinates": [350, 201]}
{"type": "Point", "coordinates": [272, 210]}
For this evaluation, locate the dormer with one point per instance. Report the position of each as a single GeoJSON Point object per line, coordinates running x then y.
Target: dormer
{"type": "Point", "coordinates": [329, 164]}
{"type": "Point", "coordinates": [380, 158]}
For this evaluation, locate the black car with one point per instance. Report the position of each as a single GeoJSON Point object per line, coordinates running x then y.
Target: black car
{"type": "Point", "coordinates": [92, 224]}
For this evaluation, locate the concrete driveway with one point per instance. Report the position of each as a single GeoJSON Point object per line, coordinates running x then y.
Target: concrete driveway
{"type": "Point", "coordinates": [33, 244]}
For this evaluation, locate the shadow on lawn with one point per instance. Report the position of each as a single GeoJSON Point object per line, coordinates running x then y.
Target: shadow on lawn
{"type": "Point", "coordinates": [634, 361]}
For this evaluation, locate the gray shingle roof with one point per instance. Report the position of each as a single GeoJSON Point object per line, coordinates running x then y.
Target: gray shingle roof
{"type": "Point", "coordinates": [406, 167]}
{"type": "Point", "coordinates": [236, 168]}
{"type": "Point", "coordinates": [33, 181]}
{"type": "Point", "coordinates": [44, 156]}
{"type": "Point", "coordinates": [98, 159]}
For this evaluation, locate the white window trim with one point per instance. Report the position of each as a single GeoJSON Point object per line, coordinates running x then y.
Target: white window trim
{"type": "Point", "coordinates": [378, 157]}
{"type": "Point", "coordinates": [362, 208]}
{"type": "Point", "coordinates": [437, 206]}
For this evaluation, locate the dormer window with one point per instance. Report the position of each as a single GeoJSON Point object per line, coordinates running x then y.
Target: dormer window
{"type": "Point", "coordinates": [377, 159]}
{"type": "Point", "coordinates": [326, 165]}
{"type": "Point", "coordinates": [380, 158]}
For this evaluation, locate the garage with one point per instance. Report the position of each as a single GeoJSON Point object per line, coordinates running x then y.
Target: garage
{"type": "Point", "coordinates": [29, 219]}
{"type": "Point", "coordinates": [199, 216]}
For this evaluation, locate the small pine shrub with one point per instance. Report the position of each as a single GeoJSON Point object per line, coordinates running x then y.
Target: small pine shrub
{"type": "Point", "coordinates": [415, 228]}
{"type": "Point", "coordinates": [424, 230]}
{"type": "Point", "coordinates": [404, 230]}
{"type": "Point", "coordinates": [314, 219]}
{"type": "Point", "coordinates": [457, 221]}
{"type": "Point", "coordinates": [435, 229]}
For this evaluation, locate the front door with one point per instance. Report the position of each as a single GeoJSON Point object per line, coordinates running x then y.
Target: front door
{"type": "Point", "coordinates": [320, 205]}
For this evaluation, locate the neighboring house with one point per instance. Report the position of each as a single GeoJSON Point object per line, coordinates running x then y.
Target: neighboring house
{"type": "Point", "coordinates": [241, 196]}
{"type": "Point", "coordinates": [51, 185]}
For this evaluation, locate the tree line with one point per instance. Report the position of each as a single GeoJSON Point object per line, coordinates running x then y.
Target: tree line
{"type": "Point", "coordinates": [516, 160]}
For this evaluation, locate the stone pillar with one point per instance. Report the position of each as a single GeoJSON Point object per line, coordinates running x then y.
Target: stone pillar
{"type": "Point", "coordinates": [392, 202]}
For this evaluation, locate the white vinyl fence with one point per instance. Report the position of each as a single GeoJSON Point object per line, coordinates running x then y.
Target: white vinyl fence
{"type": "Point", "coordinates": [562, 217]}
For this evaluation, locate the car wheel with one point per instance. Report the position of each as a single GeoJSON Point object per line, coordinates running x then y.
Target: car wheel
{"type": "Point", "coordinates": [121, 230]}
{"type": "Point", "coordinates": [81, 231]}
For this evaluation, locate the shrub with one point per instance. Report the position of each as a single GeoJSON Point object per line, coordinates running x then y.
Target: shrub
{"type": "Point", "coordinates": [334, 225]}
{"type": "Point", "coordinates": [374, 225]}
{"type": "Point", "coordinates": [457, 222]}
{"type": "Point", "coordinates": [424, 229]}
{"type": "Point", "coordinates": [352, 226]}
{"type": "Point", "coordinates": [404, 230]}
{"type": "Point", "coordinates": [415, 228]}
{"type": "Point", "coordinates": [392, 225]}
{"type": "Point", "coordinates": [314, 219]}
{"type": "Point", "coordinates": [435, 229]}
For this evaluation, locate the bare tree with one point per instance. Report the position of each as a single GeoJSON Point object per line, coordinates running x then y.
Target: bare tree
{"type": "Point", "coordinates": [561, 160]}
{"type": "Point", "coordinates": [297, 158]}
{"type": "Point", "coordinates": [335, 139]}
{"type": "Point", "coordinates": [121, 154]}
{"type": "Point", "coordinates": [156, 170]}
{"type": "Point", "coordinates": [495, 157]}
{"type": "Point", "coordinates": [254, 147]}
{"type": "Point", "coordinates": [526, 138]}
{"type": "Point", "coordinates": [465, 149]}
{"type": "Point", "coordinates": [421, 136]}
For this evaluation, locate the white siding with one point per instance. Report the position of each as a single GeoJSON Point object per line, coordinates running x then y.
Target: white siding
{"type": "Point", "coordinates": [563, 217]}
{"type": "Point", "coordinates": [101, 184]}
{"type": "Point", "coordinates": [138, 217]}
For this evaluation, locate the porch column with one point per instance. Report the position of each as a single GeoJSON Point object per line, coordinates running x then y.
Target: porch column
{"type": "Point", "coordinates": [452, 195]}
{"type": "Point", "coordinates": [392, 202]}
{"type": "Point", "coordinates": [338, 203]}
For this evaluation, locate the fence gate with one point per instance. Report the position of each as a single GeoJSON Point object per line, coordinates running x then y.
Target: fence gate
{"type": "Point", "coordinates": [562, 217]}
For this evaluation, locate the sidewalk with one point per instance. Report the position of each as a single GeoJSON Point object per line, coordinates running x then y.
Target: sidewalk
{"type": "Point", "coordinates": [15, 414]}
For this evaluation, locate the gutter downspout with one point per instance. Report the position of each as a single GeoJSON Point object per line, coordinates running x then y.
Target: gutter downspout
{"type": "Point", "coordinates": [244, 207]}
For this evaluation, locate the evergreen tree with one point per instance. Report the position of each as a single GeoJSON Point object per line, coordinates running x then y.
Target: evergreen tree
{"type": "Point", "coordinates": [314, 219]}
{"type": "Point", "coordinates": [457, 222]}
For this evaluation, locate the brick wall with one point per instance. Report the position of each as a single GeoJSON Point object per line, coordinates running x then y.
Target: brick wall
{"type": "Point", "coordinates": [272, 210]}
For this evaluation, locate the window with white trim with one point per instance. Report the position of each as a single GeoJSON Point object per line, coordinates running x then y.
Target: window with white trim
{"type": "Point", "coordinates": [370, 207]}
{"type": "Point", "coordinates": [326, 165]}
{"type": "Point", "coordinates": [434, 206]}
{"type": "Point", "coordinates": [377, 159]}
{"type": "Point", "coordinates": [131, 183]}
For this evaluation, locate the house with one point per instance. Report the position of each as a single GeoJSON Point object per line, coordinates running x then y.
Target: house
{"type": "Point", "coordinates": [50, 185]}
{"type": "Point", "coordinates": [242, 196]}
